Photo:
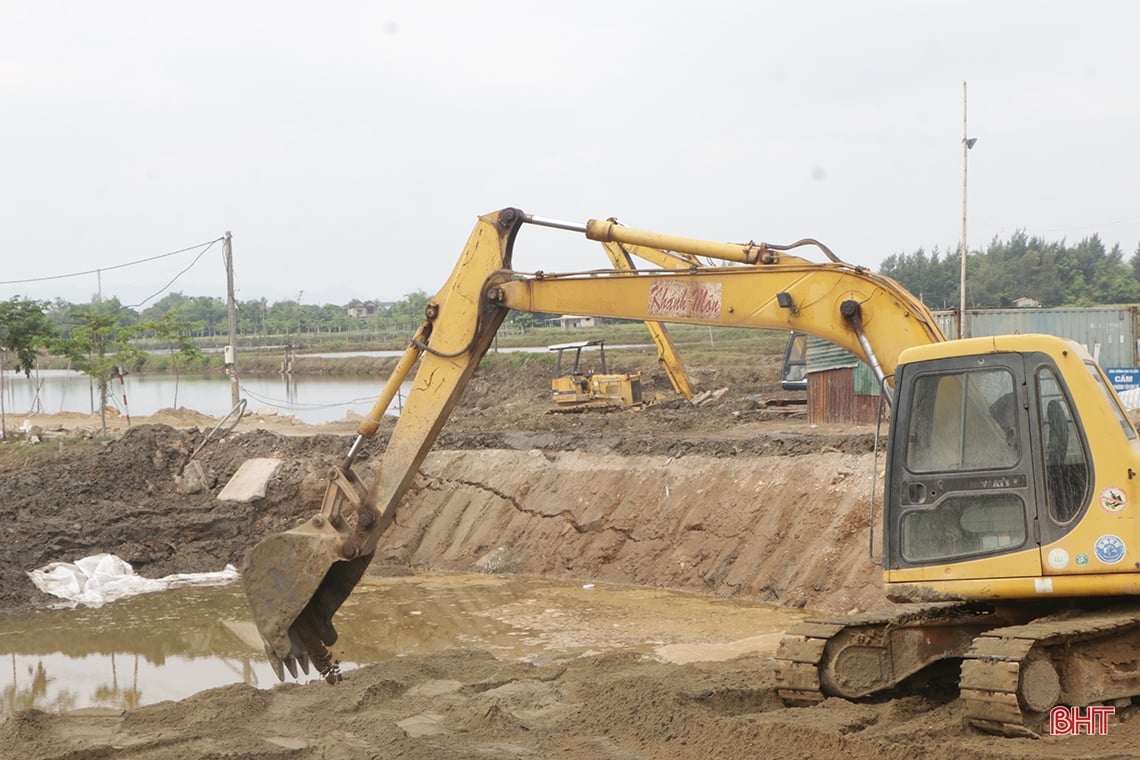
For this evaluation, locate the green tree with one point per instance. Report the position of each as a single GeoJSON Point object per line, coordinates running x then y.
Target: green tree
{"type": "Point", "coordinates": [100, 347]}
{"type": "Point", "coordinates": [1053, 273]}
{"type": "Point", "coordinates": [209, 312]}
{"type": "Point", "coordinates": [251, 316]}
{"type": "Point", "coordinates": [335, 318]}
{"type": "Point", "coordinates": [24, 330]}
{"type": "Point", "coordinates": [168, 303]}
{"type": "Point", "coordinates": [176, 334]}
{"type": "Point", "coordinates": [283, 318]}
{"type": "Point", "coordinates": [1039, 270]}
{"type": "Point", "coordinates": [524, 320]}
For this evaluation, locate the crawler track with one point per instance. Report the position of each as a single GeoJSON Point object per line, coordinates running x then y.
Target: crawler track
{"type": "Point", "coordinates": [1013, 676]}
{"type": "Point", "coordinates": [857, 656]}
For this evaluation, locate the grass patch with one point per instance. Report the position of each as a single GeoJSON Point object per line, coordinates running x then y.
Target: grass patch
{"type": "Point", "coordinates": [19, 452]}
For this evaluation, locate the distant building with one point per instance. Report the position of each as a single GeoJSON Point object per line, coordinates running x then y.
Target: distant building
{"type": "Point", "coordinates": [572, 322]}
{"type": "Point", "coordinates": [1026, 303]}
{"type": "Point", "coordinates": [361, 309]}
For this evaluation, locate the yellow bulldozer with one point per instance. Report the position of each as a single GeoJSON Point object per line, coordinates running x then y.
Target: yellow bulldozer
{"type": "Point", "coordinates": [574, 385]}
{"type": "Point", "coordinates": [1008, 506]}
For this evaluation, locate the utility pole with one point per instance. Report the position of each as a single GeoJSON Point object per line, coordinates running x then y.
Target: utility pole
{"type": "Point", "coordinates": [3, 415]}
{"type": "Point", "coordinates": [967, 143]}
{"type": "Point", "coordinates": [231, 308]}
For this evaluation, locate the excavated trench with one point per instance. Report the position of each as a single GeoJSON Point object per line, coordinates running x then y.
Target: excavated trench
{"type": "Point", "coordinates": [787, 530]}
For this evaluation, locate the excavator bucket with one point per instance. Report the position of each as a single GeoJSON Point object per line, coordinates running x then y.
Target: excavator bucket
{"type": "Point", "coordinates": [295, 586]}
{"type": "Point", "coordinates": [296, 580]}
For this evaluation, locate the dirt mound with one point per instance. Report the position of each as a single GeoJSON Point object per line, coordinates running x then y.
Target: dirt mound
{"type": "Point", "coordinates": [465, 704]}
{"type": "Point", "coordinates": [650, 518]}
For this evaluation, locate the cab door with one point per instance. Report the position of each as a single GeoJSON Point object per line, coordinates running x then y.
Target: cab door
{"type": "Point", "coordinates": [962, 489]}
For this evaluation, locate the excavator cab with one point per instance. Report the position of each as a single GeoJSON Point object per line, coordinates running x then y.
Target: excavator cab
{"type": "Point", "coordinates": [992, 466]}
{"type": "Point", "coordinates": [1011, 473]}
{"type": "Point", "coordinates": [1011, 476]}
{"type": "Point", "coordinates": [793, 373]}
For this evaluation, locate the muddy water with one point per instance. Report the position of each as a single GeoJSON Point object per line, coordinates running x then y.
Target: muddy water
{"type": "Point", "coordinates": [172, 644]}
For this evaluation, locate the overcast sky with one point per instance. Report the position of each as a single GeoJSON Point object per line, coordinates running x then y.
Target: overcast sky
{"type": "Point", "coordinates": [349, 146]}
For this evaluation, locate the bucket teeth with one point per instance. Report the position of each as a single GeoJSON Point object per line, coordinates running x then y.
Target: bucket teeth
{"type": "Point", "coordinates": [291, 664]}
{"type": "Point", "coordinates": [303, 661]}
{"type": "Point", "coordinates": [275, 663]}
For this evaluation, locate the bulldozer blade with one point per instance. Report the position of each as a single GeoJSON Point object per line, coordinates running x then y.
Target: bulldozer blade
{"type": "Point", "coordinates": [295, 582]}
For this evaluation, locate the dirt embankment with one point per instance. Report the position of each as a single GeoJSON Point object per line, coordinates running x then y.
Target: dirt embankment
{"type": "Point", "coordinates": [730, 499]}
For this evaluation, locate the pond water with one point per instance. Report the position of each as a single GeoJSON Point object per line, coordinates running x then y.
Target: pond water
{"type": "Point", "coordinates": [310, 398]}
{"type": "Point", "coordinates": [172, 644]}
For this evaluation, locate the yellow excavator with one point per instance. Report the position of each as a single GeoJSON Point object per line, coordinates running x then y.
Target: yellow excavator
{"type": "Point", "coordinates": [1009, 504]}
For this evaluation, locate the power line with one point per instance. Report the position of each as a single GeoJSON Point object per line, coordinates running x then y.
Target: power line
{"type": "Point", "coordinates": [166, 287]}
{"type": "Point", "coordinates": [116, 266]}
{"type": "Point", "coordinates": [1069, 228]}
{"type": "Point", "coordinates": [300, 406]}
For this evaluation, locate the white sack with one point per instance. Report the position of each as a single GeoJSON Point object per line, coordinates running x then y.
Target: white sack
{"type": "Point", "coordinates": [101, 578]}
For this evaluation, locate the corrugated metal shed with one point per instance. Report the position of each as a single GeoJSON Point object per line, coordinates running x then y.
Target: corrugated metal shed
{"type": "Point", "coordinates": [832, 399]}
{"type": "Point", "coordinates": [841, 388]}
{"type": "Point", "coordinates": [1107, 332]}
{"type": "Point", "coordinates": [823, 355]}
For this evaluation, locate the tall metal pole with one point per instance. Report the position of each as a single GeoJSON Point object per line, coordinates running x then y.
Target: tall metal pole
{"type": "Point", "coordinates": [962, 281]}
{"type": "Point", "coordinates": [231, 308]}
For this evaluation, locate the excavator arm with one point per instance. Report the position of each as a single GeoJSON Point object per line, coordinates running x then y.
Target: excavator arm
{"type": "Point", "coordinates": [297, 580]}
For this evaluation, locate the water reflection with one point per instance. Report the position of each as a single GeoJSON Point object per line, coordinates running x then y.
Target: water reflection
{"type": "Point", "coordinates": [136, 651]}
{"type": "Point", "coordinates": [169, 645]}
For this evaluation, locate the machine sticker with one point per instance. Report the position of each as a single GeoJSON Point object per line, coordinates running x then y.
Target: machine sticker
{"type": "Point", "coordinates": [1082, 559]}
{"type": "Point", "coordinates": [685, 299]}
{"type": "Point", "coordinates": [1109, 549]}
{"type": "Point", "coordinates": [1058, 559]}
{"type": "Point", "coordinates": [1113, 499]}
{"type": "Point", "coordinates": [1043, 585]}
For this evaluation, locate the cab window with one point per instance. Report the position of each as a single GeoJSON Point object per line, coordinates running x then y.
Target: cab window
{"type": "Point", "coordinates": [964, 525]}
{"type": "Point", "coordinates": [1066, 467]}
{"type": "Point", "coordinates": [964, 421]}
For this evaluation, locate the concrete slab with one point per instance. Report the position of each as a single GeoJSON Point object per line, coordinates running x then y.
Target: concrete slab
{"type": "Point", "coordinates": [249, 482]}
